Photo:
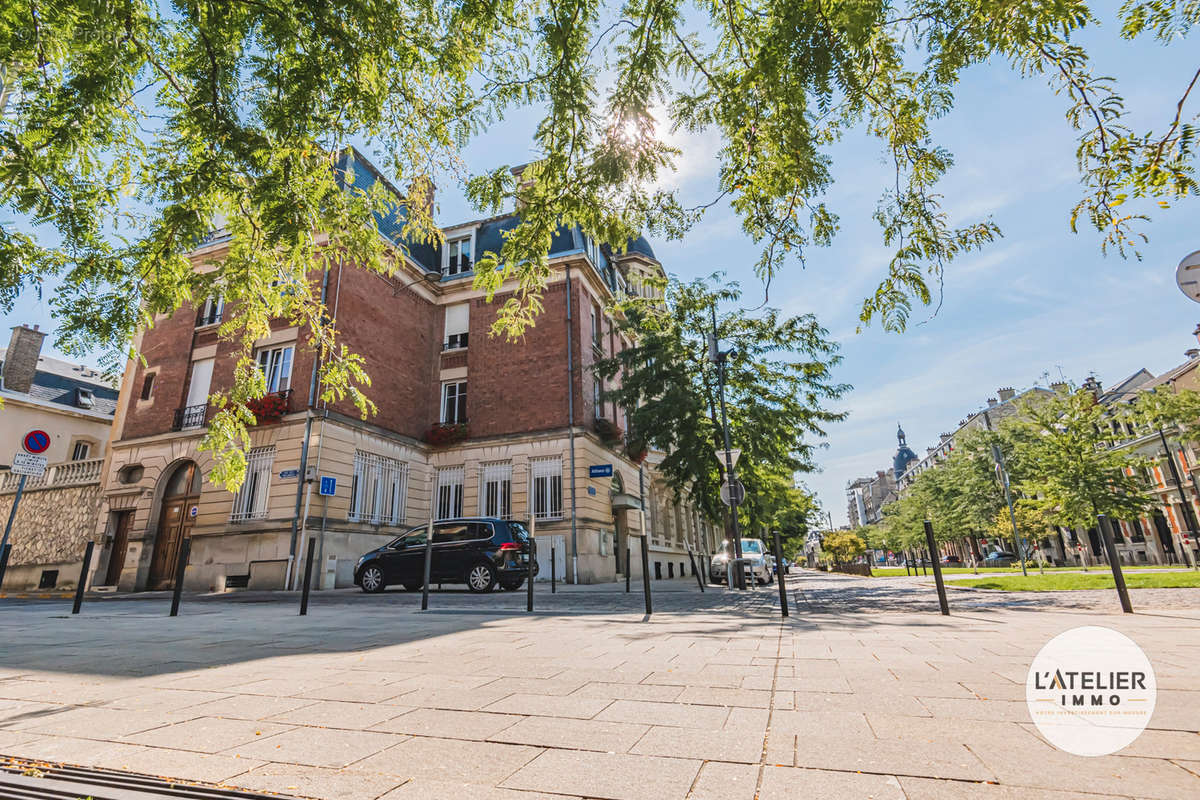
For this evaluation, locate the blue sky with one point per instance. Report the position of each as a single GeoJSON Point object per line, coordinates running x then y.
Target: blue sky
{"type": "Point", "coordinates": [1039, 300]}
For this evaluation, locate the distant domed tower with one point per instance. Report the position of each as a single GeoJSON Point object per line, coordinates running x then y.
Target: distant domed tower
{"type": "Point", "coordinates": [904, 455]}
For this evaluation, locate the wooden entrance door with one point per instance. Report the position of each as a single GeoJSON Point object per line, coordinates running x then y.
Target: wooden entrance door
{"type": "Point", "coordinates": [120, 543]}
{"type": "Point", "coordinates": [174, 524]}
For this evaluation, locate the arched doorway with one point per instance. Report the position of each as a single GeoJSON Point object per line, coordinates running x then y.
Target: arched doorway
{"type": "Point", "coordinates": [181, 491]}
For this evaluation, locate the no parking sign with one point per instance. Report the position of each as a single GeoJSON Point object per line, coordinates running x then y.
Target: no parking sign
{"type": "Point", "coordinates": [36, 442]}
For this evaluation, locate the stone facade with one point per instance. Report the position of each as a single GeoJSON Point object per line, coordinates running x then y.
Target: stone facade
{"type": "Point", "coordinates": [535, 399]}
{"type": "Point", "coordinates": [54, 522]}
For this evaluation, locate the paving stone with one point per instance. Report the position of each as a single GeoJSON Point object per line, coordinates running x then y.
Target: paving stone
{"type": "Point", "coordinates": [930, 789]}
{"type": "Point", "coordinates": [708, 696]}
{"type": "Point", "coordinates": [334, 714]}
{"type": "Point", "coordinates": [298, 781]}
{"type": "Point", "coordinates": [208, 734]}
{"type": "Point", "coordinates": [788, 783]}
{"type": "Point", "coordinates": [575, 734]}
{"type": "Point", "coordinates": [549, 706]}
{"type": "Point", "coordinates": [719, 781]}
{"type": "Point", "coordinates": [180, 764]}
{"type": "Point", "coordinates": [451, 760]}
{"type": "Point", "coordinates": [92, 723]}
{"type": "Point", "coordinates": [891, 757]}
{"type": "Point", "coordinates": [318, 747]}
{"type": "Point", "coordinates": [423, 789]}
{"type": "Point", "coordinates": [614, 776]}
{"type": "Point", "coordinates": [475, 725]}
{"type": "Point", "coordinates": [643, 712]}
{"type": "Point", "coordinates": [630, 691]}
{"type": "Point", "coordinates": [246, 706]}
{"type": "Point", "coordinates": [705, 745]}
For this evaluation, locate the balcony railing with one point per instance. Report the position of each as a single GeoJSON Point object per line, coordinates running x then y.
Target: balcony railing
{"type": "Point", "coordinates": [189, 417]}
{"type": "Point", "coordinates": [68, 473]}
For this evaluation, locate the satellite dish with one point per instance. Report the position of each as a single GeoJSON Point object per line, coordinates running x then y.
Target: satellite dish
{"type": "Point", "coordinates": [1188, 276]}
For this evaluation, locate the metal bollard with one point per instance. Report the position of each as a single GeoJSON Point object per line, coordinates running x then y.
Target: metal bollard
{"type": "Point", "coordinates": [628, 567]}
{"type": "Point", "coordinates": [1115, 563]}
{"type": "Point", "coordinates": [553, 571]}
{"type": "Point", "coordinates": [4, 560]}
{"type": "Point", "coordinates": [780, 578]}
{"type": "Point", "coordinates": [312, 551]}
{"type": "Point", "coordinates": [937, 569]}
{"type": "Point", "coordinates": [699, 578]}
{"type": "Point", "coordinates": [83, 573]}
{"type": "Point", "coordinates": [532, 563]}
{"type": "Point", "coordinates": [185, 548]}
{"type": "Point", "coordinates": [646, 575]}
{"type": "Point", "coordinates": [428, 559]}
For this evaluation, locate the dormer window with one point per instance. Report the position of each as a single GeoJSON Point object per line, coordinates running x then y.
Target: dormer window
{"type": "Point", "coordinates": [459, 256]}
{"type": "Point", "coordinates": [85, 398]}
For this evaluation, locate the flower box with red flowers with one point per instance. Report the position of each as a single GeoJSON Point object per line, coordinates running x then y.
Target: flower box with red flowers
{"type": "Point", "coordinates": [443, 434]}
{"type": "Point", "coordinates": [269, 408]}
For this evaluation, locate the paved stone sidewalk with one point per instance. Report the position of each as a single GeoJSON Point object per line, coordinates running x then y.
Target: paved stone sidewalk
{"type": "Point", "coordinates": [377, 700]}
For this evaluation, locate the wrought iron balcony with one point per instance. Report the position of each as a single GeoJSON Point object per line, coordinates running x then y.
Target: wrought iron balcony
{"type": "Point", "coordinates": [189, 417]}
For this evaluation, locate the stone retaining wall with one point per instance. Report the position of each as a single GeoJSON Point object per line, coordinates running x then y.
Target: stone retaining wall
{"type": "Point", "coordinates": [50, 531]}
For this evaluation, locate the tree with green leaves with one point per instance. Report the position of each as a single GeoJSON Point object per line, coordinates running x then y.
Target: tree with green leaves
{"type": "Point", "coordinates": [1163, 409]}
{"type": "Point", "coordinates": [841, 547]}
{"type": "Point", "coordinates": [129, 127]}
{"type": "Point", "coordinates": [777, 384]}
{"type": "Point", "coordinates": [1072, 469]}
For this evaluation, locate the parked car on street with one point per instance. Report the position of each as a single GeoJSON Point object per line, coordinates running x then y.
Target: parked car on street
{"type": "Point", "coordinates": [999, 558]}
{"type": "Point", "coordinates": [755, 562]}
{"type": "Point", "coordinates": [951, 561]}
{"type": "Point", "coordinates": [481, 552]}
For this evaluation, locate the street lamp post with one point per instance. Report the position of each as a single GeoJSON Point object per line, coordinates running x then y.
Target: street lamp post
{"type": "Point", "coordinates": [719, 359]}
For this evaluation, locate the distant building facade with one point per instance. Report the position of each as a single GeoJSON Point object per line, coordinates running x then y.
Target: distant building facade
{"type": "Point", "coordinates": [74, 405]}
{"type": "Point", "coordinates": [866, 497]}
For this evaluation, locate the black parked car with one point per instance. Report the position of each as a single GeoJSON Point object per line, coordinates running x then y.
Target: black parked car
{"type": "Point", "coordinates": [480, 552]}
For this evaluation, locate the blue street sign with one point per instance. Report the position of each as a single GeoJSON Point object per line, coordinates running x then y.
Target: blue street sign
{"type": "Point", "coordinates": [591, 490]}
{"type": "Point", "coordinates": [328, 485]}
{"type": "Point", "coordinates": [600, 471]}
{"type": "Point", "coordinates": [288, 474]}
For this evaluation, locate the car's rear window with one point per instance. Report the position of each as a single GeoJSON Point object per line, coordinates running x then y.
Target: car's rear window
{"type": "Point", "coordinates": [518, 532]}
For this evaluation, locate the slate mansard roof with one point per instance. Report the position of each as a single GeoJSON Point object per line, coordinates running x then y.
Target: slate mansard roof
{"type": "Point", "coordinates": [56, 382]}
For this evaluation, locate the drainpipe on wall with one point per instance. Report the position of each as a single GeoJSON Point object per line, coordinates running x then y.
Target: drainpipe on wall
{"type": "Point", "coordinates": [298, 527]}
{"type": "Point", "coordinates": [571, 429]}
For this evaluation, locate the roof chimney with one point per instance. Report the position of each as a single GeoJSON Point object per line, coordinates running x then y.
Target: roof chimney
{"type": "Point", "coordinates": [1006, 394]}
{"type": "Point", "coordinates": [991, 402]}
{"type": "Point", "coordinates": [1092, 385]}
{"type": "Point", "coordinates": [1192, 353]}
{"type": "Point", "coordinates": [21, 358]}
{"type": "Point", "coordinates": [1061, 387]}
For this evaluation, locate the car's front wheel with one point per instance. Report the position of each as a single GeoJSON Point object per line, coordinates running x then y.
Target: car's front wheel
{"type": "Point", "coordinates": [481, 577]}
{"type": "Point", "coordinates": [371, 580]}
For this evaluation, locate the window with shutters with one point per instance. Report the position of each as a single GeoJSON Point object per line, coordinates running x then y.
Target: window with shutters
{"type": "Point", "coordinates": [250, 502]}
{"type": "Point", "coordinates": [378, 490]}
{"type": "Point", "coordinates": [495, 489]}
{"type": "Point", "coordinates": [458, 319]}
{"type": "Point", "coordinates": [546, 485]}
{"type": "Point", "coordinates": [449, 492]}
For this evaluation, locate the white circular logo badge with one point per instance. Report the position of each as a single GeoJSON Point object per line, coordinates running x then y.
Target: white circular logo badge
{"type": "Point", "coordinates": [1091, 691]}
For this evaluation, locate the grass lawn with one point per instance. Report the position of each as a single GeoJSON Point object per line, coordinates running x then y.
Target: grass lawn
{"type": "Point", "coordinates": [898, 572]}
{"type": "Point", "coordinates": [1092, 580]}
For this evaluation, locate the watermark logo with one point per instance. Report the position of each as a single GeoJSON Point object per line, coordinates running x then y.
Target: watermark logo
{"type": "Point", "coordinates": [1091, 691]}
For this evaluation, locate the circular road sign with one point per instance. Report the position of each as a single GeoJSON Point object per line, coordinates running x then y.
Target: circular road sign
{"type": "Point", "coordinates": [36, 442]}
{"type": "Point", "coordinates": [735, 496]}
{"type": "Point", "coordinates": [1187, 275]}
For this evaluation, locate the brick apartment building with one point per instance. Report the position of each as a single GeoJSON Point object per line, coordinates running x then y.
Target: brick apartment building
{"type": "Point", "coordinates": [473, 424]}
